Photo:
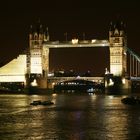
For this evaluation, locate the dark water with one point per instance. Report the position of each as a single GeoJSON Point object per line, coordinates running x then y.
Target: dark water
{"type": "Point", "coordinates": [72, 117]}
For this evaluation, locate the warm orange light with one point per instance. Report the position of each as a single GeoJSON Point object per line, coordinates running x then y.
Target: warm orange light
{"type": "Point", "coordinates": [74, 41]}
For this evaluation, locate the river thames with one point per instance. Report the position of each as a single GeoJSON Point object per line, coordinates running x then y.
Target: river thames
{"type": "Point", "coordinates": [71, 117]}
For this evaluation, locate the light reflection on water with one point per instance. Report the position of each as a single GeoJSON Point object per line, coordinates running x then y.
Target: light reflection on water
{"type": "Point", "coordinates": [72, 117]}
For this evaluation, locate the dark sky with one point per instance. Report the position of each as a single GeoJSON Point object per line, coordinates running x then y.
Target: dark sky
{"type": "Point", "coordinates": [80, 60]}
{"type": "Point", "coordinates": [73, 17]}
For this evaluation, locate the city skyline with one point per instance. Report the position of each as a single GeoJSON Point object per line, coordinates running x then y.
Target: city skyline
{"type": "Point", "coordinates": [74, 17]}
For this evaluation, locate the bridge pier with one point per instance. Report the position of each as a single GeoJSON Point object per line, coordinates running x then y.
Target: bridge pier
{"type": "Point", "coordinates": [117, 85]}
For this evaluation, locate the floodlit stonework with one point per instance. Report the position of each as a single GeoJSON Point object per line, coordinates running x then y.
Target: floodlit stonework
{"type": "Point", "coordinates": [35, 64]}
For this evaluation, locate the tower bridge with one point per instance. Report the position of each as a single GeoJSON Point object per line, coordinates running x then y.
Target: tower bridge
{"type": "Point", "coordinates": [34, 64]}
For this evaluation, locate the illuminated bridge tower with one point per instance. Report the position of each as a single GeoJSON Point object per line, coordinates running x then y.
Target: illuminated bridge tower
{"type": "Point", "coordinates": [36, 64]}
{"type": "Point", "coordinates": [118, 58]}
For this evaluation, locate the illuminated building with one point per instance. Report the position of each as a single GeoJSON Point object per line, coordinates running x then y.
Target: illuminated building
{"type": "Point", "coordinates": [38, 54]}
{"type": "Point", "coordinates": [117, 39]}
{"type": "Point", "coordinates": [15, 70]}
{"type": "Point", "coordinates": [34, 65]}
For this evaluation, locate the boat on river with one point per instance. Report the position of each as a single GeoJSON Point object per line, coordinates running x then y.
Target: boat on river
{"type": "Point", "coordinates": [131, 100]}
{"type": "Point", "coordinates": [39, 102]}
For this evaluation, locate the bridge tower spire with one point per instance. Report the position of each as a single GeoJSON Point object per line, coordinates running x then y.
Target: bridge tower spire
{"type": "Point", "coordinates": [117, 40]}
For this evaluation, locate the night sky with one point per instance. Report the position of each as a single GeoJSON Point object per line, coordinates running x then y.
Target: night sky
{"type": "Point", "coordinates": [73, 17]}
{"type": "Point", "coordinates": [80, 60]}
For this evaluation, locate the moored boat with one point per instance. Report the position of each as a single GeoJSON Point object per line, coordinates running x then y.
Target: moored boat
{"type": "Point", "coordinates": [131, 100]}
{"type": "Point", "coordinates": [39, 102]}
{"type": "Point", "coordinates": [47, 103]}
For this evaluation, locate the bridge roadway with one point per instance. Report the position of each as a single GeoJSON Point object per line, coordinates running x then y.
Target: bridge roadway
{"type": "Point", "coordinates": [53, 80]}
